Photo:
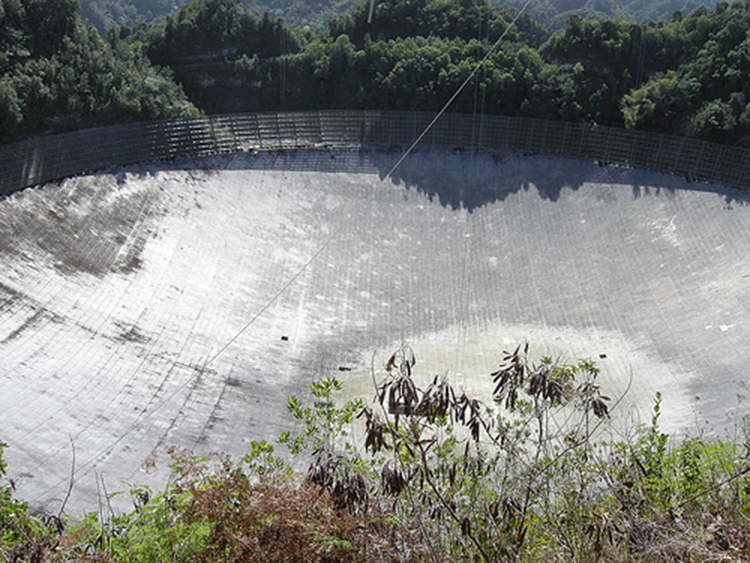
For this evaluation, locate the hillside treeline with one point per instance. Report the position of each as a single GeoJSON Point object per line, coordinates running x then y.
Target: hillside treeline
{"type": "Point", "coordinates": [56, 73]}
{"type": "Point", "coordinates": [687, 76]}
{"type": "Point", "coordinates": [555, 13]}
{"type": "Point", "coordinates": [314, 14]}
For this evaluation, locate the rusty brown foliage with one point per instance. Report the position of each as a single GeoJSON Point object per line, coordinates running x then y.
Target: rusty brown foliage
{"type": "Point", "coordinates": [257, 520]}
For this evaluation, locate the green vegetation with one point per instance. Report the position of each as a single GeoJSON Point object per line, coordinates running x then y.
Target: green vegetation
{"type": "Point", "coordinates": [555, 13]}
{"type": "Point", "coordinates": [436, 476]}
{"type": "Point", "coordinates": [23, 536]}
{"type": "Point", "coordinates": [57, 74]}
{"type": "Point", "coordinates": [685, 77]}
{"type": "Point", "coordinates": [314, 15]}
{"type": "Point", "coordinates": [105, 14]}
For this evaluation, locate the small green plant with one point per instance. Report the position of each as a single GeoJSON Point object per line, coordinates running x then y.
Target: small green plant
{"type": "Point", "coordinates": [23, 536]}
{"type": "Point", "coordinates": [262, 462]}
{"type": "Point", "coordinates": [154, 531]}
{"type": "Point", "coordinates": [324, 423]}
{"type": "Point", "coordinates": [336, 465]}
{"type": "Point", "coordinates": [649, 455]}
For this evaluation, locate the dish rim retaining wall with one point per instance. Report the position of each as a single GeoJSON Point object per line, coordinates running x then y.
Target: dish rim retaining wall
{"type": "Point", "coordinates": [45, 159]}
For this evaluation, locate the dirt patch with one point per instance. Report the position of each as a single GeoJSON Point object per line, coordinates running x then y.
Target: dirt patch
{"type": "Point", "coordinates": [37, 318]}
{"type": "Point", "coordinates": [91, 225]}
{"type": "Point", "coordinates": [132, 334]}
{"type": "Point", "coordinates": [8, 296]}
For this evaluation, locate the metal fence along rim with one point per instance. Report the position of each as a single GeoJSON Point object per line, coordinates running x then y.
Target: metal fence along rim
{"type": "Point", "coordinates": [45, 159]}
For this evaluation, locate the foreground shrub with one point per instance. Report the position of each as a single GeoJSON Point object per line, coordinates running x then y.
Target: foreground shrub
{"type": "Point", "coordinates": [23, 536]}
{"type": "Point", "coordinates": [525, 478]}
{"type": "Point", "coordinates": [220, 511]}
{"type": "Point", "coordinates": [259, 519]}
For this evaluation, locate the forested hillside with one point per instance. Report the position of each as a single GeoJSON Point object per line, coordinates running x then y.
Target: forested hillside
{"type": "Point", "coordinates": [56, 74]}
{"type": "Point", "coordinates": [687, 77]}
{"type": "Point", "coordinates": [314, 14]}
{"type": "Point", "coordinates": [555, 13]}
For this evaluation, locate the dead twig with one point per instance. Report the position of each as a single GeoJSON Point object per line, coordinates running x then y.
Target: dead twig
{"type": "Point", "coordinates": [72, 480]}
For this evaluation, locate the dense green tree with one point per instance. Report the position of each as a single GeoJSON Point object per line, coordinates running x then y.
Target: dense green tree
{"type": "Point", "coordinates": [662, 104]}
{"type": "Point", "coordinates": [450, 19]}
{"type": "Point", "coordinates": [422, 73]}
{"type": "Point", "coordinates": [555, 13]}
{"type": "Point", "coordinates": [104, 14]}
{"type": "Point", "coordinates": [685, 76]}
{"type": "Point", "coordinates": [215, 49]}
{"type": "Point", "coordinates": [706, 89]}
{"type": "Point", "coordinates": [10, 110]}
{"type": "Point", "coordinates": [12, 31]}
{"type": "Point", "coordinates": [314, 14]}
{"type": "Point", "coordinates": [724, 122]}
{"type": "Point", "coordinates": [217, 29]}
{"type": "Point", "coordinates": [56, 73]}
{"type": "Point", "coordinates": [48, 23]}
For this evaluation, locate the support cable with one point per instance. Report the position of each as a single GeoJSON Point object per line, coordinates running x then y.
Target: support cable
{"type": "Point", "coordinates": [148, 413]}
{"type": "Point", "coordinates": [459, 90]}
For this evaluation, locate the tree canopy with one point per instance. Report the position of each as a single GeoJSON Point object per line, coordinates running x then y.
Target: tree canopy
{"type": "Point", "coordinates": [686, 76]}
{"type": "Point", "coordinates": [314, 14]}
{"type": "Point", "coordinates": [555, 13]}
{"type": "Point", "coordinates": [57, 73]}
